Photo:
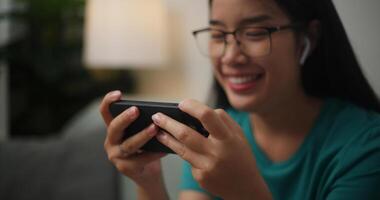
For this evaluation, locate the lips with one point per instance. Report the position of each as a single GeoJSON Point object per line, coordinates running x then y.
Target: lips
{"type": "Point", "coordinates": [243, 83]}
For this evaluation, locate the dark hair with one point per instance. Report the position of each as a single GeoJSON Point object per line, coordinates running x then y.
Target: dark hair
{"type": "Point", "coordinates": [332, 70]}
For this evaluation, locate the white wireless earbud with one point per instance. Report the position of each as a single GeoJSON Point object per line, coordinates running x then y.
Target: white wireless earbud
{"type": "Point", "coordinates": [306, 51]}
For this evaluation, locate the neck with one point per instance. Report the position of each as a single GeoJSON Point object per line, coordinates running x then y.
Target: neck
{"type": "Point", "coordinates": [291, 117]}
{"type": "Point", "coordinates": [280, 131]}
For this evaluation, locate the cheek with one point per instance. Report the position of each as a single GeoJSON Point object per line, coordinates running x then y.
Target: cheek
{"type": "Point", "coordinates": [283, 61]}
{"type": "Point", "coordinates": [283, 73]}
{"type": "Point", "coordinates": [216, 67]}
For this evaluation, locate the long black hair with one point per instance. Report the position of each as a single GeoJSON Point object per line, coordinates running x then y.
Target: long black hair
{"type": "Point", "coordinates": [332, 69]}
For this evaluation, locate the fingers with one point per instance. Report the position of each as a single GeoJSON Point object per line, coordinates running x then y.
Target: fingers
{"type": "Point", "coordinates": [180, 149]}
{"type": "Point", "coordinates": [119, 123]}
{"type": "Point", "coordinates": [134, 143]}
{"type": "Point", "coordinates": [227, 120]}
{"type": "Point", "coordinates": [130, 166]}
{"type": "Point", "coordinates": [107, 100]}
{"type": "Point", "coordinates": [186, 135]}
{"type": "Point", "coordinates": [147, 157]}
{"type": "Point", "coordinates": [208, 117]}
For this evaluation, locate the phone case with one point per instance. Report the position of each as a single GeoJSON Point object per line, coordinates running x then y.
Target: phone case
{"type": "Point", "coordinates": [147, 109]}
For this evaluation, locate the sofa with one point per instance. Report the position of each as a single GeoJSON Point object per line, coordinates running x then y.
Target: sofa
{"type": "Point", "coordinates": [72, 165]}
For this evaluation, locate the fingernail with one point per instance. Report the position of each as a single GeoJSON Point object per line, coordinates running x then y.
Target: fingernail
{"type": "Point", "coordinates": [156, 118]}
{"type": "Point", "coordinates": [114, 94]}
{"type": "Point", "coordinates": [132, 111]}
{"type": "Point", "coordinates": [180, 104]}
{"type": "Point", "coordinates": [152, 130]}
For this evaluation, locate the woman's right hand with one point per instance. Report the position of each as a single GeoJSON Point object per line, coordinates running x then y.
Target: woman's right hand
{"type": "Point", "coordinates": [144, 168]}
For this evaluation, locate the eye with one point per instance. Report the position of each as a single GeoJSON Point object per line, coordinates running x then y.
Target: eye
{"type": "Point", "coordinates": [216, 36]}
{"type": "Point", "coordinates": [254, 33]}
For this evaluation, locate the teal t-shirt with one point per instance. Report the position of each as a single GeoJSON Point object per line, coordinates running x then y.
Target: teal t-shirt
{"type": "Point", "coordinates": [338, 160]}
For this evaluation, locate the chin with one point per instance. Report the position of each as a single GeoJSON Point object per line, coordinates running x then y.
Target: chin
{"type": "Point", "coordinates": [244, 102]}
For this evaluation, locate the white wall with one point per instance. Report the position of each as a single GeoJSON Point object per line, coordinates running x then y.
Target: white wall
{"type": "Point", "coordinates": [188, 74]}
{"type": "Point", "coordinates": [361, 20]}
{"type": "Point", "coordinates": [197, 67]}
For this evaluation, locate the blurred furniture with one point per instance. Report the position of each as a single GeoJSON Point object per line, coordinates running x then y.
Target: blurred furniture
{"type": "Point", "coordinates": [4, 40]}
{"type": "Point", "coordinates": [73, 166]}
{"type": "Point", "coordinates": [3, 101]}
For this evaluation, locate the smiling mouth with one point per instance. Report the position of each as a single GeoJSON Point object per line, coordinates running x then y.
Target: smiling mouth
{"type": "Point", "coordinates": [244, 83]}
{"type": "Point", "coordinates": [244, 79]}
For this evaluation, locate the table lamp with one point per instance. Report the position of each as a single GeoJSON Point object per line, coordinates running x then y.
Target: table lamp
{"type": "Point", "coordinates": [125, 34]}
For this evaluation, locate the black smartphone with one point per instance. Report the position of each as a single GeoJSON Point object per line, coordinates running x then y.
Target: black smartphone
{"type": "Point", "coordinates": [147, 109]}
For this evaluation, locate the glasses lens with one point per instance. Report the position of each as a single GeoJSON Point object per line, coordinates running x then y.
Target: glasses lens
{"type": "Point", "coordinates": [255, 42]}
{"type": "Point", "coordinates": [210, 42]}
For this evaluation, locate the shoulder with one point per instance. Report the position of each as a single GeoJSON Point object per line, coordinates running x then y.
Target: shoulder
{"type": "Point", "coordinates": [349, 151]}
{"type": "Point", "coordinates": [351, 124]}
{"type": "Point", "coordinates": [353, 138]}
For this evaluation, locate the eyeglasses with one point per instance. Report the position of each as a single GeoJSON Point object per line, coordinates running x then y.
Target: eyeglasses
{"type": "Point", "coordinates": [252, 41]}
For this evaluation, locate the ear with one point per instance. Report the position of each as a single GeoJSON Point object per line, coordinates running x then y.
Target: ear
{"type": "Point", "coordinates": [313, 33]}
{"type": "Point", "coordinates": [310, 40]}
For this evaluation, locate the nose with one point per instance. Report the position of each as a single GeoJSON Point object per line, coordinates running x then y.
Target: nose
{"type": "Point", "coordinates": [232, 53]}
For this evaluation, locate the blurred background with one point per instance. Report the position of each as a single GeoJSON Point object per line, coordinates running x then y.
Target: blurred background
{"type": "Point", "coordinates": [59, 57]}
{"type": "Point", "coordinates": [51, 75]}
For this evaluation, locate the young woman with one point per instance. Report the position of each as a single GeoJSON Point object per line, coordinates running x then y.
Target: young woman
{"type": "Point", "coordinates": [296, 118]}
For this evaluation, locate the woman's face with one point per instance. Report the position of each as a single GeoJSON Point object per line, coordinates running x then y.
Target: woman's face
{"type": "Point", "coordinates": [256, 83]}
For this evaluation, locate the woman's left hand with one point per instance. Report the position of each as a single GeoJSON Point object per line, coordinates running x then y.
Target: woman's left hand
{"type": "Point", "coordinates": [223, 163]}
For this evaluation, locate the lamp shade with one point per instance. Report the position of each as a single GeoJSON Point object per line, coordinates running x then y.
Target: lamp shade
{"type": "Point", "coordinates": [125, 34]}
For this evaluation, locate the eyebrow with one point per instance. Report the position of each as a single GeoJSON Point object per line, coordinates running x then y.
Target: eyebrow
{"type": "Point", "coordinates": [245, 21]}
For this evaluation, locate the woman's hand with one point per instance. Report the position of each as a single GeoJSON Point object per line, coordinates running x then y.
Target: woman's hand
{"type": "Point", "coordinates": [143, 168]}
{"type": "Point", "coordinates": [223, 163]}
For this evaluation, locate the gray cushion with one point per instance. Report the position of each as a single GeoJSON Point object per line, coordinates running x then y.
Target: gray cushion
{"type": "Point", "coordinates": [73, 166]}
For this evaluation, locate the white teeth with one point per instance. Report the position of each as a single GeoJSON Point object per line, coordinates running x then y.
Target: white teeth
{"type": "Point", "coordinates": [243, 79]}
